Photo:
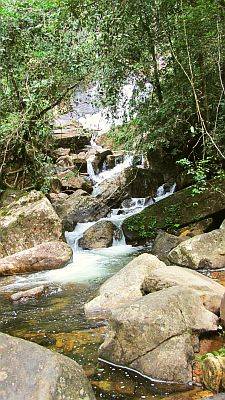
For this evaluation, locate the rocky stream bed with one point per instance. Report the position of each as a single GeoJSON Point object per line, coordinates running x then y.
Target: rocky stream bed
{"type": "Point", "coordinates": [105, 287]}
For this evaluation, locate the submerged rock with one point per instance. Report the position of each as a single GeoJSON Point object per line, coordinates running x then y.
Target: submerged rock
{"type": "Point", "coordinates": [147, 274]}
{"type": "Point", "coordinates": [28, 371]}
{"type": "Point", "coordinates": [156, 335]}
{"type": "Point", "coordinates": [27, 222]}
{"type": "Point", "coordinates": [177, 210]}
{"type": "Point", "coordinates": [100, 235]}
{"type": "Point", "coordinates": [49, 255]}
{"type": "Point", "coordinates": [204, 251]}
{"type": "Point", "coordinates": [25, 295]}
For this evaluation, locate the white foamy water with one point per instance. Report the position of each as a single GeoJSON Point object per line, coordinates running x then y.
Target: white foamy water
{"type": "Point", "coordinates": [109, 174]}
{"type": "Point", "coordinates": [94, 264]}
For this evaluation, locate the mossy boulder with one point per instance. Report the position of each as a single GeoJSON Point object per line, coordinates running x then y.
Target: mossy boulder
{"type": "Point", "coordinates": [173, 212]}
{"type": "Point", "coordinates": [27, 222]}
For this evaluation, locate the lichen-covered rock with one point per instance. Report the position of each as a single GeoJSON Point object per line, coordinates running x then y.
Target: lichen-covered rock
{"type": "Point", "coordinates": [28, 371]}
{"type": "Point", "coordinates": [48, 255]}
{"type": "Point", "coordinates": [155, 335]}
{"type": "Point", "coordinates": [147, 274]}
{"type": "Point", "coordinates": [204, 251]}
{"type": "Point", "coordinates": [177, 210]}
{"type": "Point", "coordinates": [80, 208]}
{"type": "Point", "coordinates": [27, 222]}
{"type": "Point", "coordinates": [100, 235]}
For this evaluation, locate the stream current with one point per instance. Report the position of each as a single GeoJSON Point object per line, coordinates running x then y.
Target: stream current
{"type": "Point", "coordinates": [57, 320]}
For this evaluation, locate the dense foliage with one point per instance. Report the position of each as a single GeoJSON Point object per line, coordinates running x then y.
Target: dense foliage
{"type": "Point", "coordinates": [179, 46]}
{"type": "Point", "coordinates": [47, 47]}
{"type": "Point", "coordinates": [44, 54]}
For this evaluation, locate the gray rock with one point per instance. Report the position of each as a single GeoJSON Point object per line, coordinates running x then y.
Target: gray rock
{"type": "Point", "coordinates": [48, 255]}
{"type": "Point", "coordinates": [204, 251]}
{"type": "Point", "coordinates": [155, 334]}
{"type": "Point", "coordinates": [27, 222]}
{"type": "Point", "coordinates": [100, 235]}
{"type": "Point", "coordinates": [146, 274]}
{"type": "Point", "coordinates": [28, 371]}
{"type": "Point", "coordinates": [80, 208]}
{"type": "Point", "coordinates": [164, 243]}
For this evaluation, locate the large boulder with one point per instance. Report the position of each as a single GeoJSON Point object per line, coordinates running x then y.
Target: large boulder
{"type": "Point", "coordinates": [132, 182]}
{"type": "Point", "coordinates": [147, 274]}
{"type": "Point", "coordinates": [204, 251]}
{"type": "Point", "coordinates": [49, 255]}
{"type": "Point", "coordinates": [177, 210]}
{"type": "Point", "coordinates": [27, 222]}
{"type": "Point", "coordinates": [70, 181]}
{"type": "Point", "coordinates": [80, 208]}
{"type": "Point", "coordinates": [156, 335]}
{"type": "Point", "coordinates": [28, 371]}
{"type": "Point", "coordinates": [100, 235]}
{"type": "Point", "coordinates": [73, 137]}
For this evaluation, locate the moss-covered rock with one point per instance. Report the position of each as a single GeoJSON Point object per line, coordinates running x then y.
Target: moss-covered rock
{"type": "Point", "coordinates": [180, 209]}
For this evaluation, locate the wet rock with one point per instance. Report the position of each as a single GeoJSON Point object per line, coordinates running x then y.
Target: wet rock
{"type": "Point", "coordinates": [25, 295]}
{"type": "Point", "coordinates": [80, 208]}
{"type": "Point", "coordinates": [132, 182]}
{"type": "Point", "coordinates": [177, 210]}
{"type": "Point", "coordinates": [28, 371]}
{"type": "Point", "coordinates": [97, 158]}
{"type": "Point", "coordinates": [164, 243]}
{"type": "Point", "coordinates": [98, 236]}
{"type": "Point", "coordinates": [204, 251]}
{"type": "Point", "coordinates": [27, 222]}
{"type": "Point", "coordinates": [147, 274]}
{"type": "Point", "coordinates": [48, 255]}
{"type": "Point", "coordinates": [126, 388]}
{"type": "Point", "coordinates": [154, 335]}
{"type": "Point", "coordinates": [73, 182]}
